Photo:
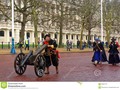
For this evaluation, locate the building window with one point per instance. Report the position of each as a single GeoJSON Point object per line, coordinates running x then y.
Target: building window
{"type": "Point", "coordinates": [90, 37]}
{"type": "Point", "coordinates": [77, 36]}
{"type": "Point", "coordinates": [10, 33]}
{"type": "Point", "coordinates": [20, 32]}
{"type": "Point", "coordinates": [1, 33]}
{"type": "Point", "coordinates": [42, 35]}
{"type": "Point", "coordinates": [72, 37]}
{"type": "Point", "coordinates": [28, 35]}
{"type": "Point", "coordinates": [66, 36]}
{"type": "Point", "coordinates": [86, 37]}
{"type": "Point", "coordinates": [55, 35]}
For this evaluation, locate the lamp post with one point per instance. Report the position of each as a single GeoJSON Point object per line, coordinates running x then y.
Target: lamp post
{"type": "Point", "coordinates": [13, 51]}
{"type": "Point", "coordinates": [102, 20]}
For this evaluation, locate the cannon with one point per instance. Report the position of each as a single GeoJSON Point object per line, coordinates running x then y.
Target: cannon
{"type": "Point", "coordinates": [35, 59]}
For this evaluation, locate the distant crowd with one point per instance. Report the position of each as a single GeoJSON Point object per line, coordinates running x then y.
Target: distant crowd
{"type": "Point", "coordinates": [69, 44]}
{"type": "Point", "coordinates": [89, 44]}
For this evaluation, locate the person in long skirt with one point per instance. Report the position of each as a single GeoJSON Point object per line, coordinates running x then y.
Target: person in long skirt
{"type": "Point", "coordinates": [99, 53]}
{"type": "Point", "coordinates": [113, 52]}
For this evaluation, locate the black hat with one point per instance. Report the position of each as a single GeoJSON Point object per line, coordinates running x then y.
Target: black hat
{"type": "Point", "coordinates": [47, 35]}
{"type": "Point", "coordinates": [113, 39]}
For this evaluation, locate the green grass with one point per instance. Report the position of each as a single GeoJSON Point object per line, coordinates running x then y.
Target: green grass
{"type": "Point", "coordinates": [4, 45]}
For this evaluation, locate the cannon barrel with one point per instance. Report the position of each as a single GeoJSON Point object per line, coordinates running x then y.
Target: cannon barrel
{"type": "Point", "coordinates": [31, 56]}
{"type": "Point", "coordinates": [26, 58]}
{"type": "Point", "coordinates": [38, 51]}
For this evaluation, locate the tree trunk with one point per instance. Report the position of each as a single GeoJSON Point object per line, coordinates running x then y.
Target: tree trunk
{"type": "Point", "coordinates": [61, 26]}
{"type": "Point", "coordinates": [89, 34]}
{"type": "Point", "coordinates": [22, 32]}
{"type": "Point", "coordinates": [35, 32]}
{"type": "Point", "coordinates": [108, 33]}
{"type": "Point", "coordinates": [35, 20]}
{"type": "Point", "coordinates": [108, 36]}
{"type": "Point", "coordinates": [60, 36]}
{"type": "Point", "coordinates": [81, 35]}
{"type": "Point", "coordinates": [89, 28]}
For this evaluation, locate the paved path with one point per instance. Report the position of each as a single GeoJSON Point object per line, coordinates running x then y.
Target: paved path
{"type": "Point", "coordinates": [73, 67]}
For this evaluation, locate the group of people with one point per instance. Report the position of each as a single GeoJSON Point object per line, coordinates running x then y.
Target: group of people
{"type": "Point", "coordinates": [84, 44]}
{"type": "Point", "coordinates": [52, 56]}
{"type": "Point", "coordinates": [100, 55]}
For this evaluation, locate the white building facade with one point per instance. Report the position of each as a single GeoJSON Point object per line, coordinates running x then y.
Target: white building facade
{"type": "Point", "coordinates": [6, 33]}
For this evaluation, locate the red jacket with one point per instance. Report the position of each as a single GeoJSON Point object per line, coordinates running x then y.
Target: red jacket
{"type": "Point", "coordinates": [56, 51]}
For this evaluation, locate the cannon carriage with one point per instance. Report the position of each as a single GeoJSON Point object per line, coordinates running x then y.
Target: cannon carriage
{"type": "Point", "coordinates": [35, 59]}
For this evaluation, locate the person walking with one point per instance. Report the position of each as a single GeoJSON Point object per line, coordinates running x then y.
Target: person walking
{"type": "Point", "coordinates": [99, 53]}
{"type": "Point", "coordinates": [20, 45]}
{"type": "Point", "coordinates": [27, 44]}
{"type": "Point", "coordinates": [113, 52]}
{"type": "Point", "coordinates": [68, 45]}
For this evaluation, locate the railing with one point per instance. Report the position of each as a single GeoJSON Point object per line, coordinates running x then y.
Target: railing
{"type": "Point", "coordinates": [7, 45]}
{"type": "Point", "coordinates": [4, 45]}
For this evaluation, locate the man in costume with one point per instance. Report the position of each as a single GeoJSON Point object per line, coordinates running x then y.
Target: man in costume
{"type": "Point", "coordinates": [51, 54]}
{"type": "Point", "coordinates": [113, 52]}
{"type": "Point", "coordinates": [99, 52]}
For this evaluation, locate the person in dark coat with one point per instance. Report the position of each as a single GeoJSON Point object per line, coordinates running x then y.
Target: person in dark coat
{"type": "Point", "coordinates": [68, 45]}
{"type": "Point", "coordinates": [99, 52]}
{"type": "Point", "coordinates": [20, 45]}
{"type": "Point", "coordinates": [113, 52]}
{"type": "Point", "coordinates": [50, 53]}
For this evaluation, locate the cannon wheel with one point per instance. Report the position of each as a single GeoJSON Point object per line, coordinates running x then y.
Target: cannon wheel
{"type": "Point", "coordinates": [39, 65]}
{"type": "Point", "coordinates": [19, 69]}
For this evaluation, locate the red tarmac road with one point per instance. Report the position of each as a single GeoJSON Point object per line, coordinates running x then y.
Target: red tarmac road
{"type": "Point", "coordinates": [72, 67]}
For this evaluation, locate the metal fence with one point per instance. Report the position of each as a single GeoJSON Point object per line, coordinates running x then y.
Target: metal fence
{"type": "Point", "coordinates": [7, 45]}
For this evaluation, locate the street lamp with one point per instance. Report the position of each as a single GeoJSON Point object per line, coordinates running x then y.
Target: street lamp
{"type": "Point", "coordinates": [13, 51]}
{"type": "Point", "coordinates": [101, 20]}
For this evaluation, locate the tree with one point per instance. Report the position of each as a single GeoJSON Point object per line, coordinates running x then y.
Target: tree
{"type": "Point", "coordinates": [62, 17]}
{"type": "Point", "coordinates": [92, 20]}
{"type": "Point", "coordinates": [111, 18]}
{"type": "Point", "coordinates": [22, 14]}
{"type": "Point", "coordinates": [86, 9]}
{"type": "Point", "coordinates": [34, 17]}
{"type": "Point", "coordinates": [5, 10]}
